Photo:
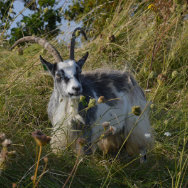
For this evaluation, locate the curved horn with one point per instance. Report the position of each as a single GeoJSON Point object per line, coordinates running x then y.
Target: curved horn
{"type": "Point", "coordinates": [51, 49]}
{"type": "Point", "coordinates": [73, 41]}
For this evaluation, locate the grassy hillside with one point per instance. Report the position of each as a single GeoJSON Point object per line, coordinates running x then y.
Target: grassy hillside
{"type": "Point", "coordinates": [152, 42]}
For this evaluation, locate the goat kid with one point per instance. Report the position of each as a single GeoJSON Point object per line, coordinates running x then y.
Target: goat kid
{"type": "Point", "coordinates": [71, 119]}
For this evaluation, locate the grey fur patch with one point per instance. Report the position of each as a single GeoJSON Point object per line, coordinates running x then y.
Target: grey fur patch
{"type": "Point", "coordinates": [102, 80]}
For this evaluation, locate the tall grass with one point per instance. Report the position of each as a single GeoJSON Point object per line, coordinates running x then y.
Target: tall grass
{"type": "Point", "coordinates": [153, 44]}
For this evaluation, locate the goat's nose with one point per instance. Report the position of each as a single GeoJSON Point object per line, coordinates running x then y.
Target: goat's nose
{"type": "Point", "coordinates": [76, 88]}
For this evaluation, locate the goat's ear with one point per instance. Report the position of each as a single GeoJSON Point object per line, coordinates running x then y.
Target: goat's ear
{"type": "Point", "coordinates": [82, 60]}
{"type": "Point", "coordinates": [51, 67]}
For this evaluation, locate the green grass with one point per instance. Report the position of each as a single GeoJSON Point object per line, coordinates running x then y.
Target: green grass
{"type": "Point", "coordinates": [143, 45]}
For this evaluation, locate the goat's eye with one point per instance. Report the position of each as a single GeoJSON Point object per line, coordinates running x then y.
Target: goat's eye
{"type": "Point", "coordinates": [66, 79]}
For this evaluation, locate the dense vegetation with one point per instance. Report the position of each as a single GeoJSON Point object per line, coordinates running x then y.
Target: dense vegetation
{"type": "Point", "coordinates": [147, 37]}
{"type": "Point", "coordinates": [45, 17]}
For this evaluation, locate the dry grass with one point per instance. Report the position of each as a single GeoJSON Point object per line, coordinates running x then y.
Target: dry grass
{"type": "Point", "coordinates": [149, 48]}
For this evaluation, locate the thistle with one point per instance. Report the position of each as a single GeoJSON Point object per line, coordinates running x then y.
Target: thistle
{"type": "Point", "coordinates": [101, 99]}
{"type": "Point", "coordinates": [41, 140]}
{"type": "Point", "coordinates": [81, 141]}
{"type": "Point", "coordinates": [106, 125]}
{"type": "Point", "coordinates": [136, 110]}
{"type": "Point", "coordinates": [92, 103]}
{"type": "Point", "coordinates": [174, 74]}
{"type": "Point", "coordinates": [20, 51]}
{"type": "Point", "coordinates": [77, 33]}
{"type": "Point", "coordinates": [4, 154]}
{"type": "Point", "coordinates": [161, 78]}
{"type": "Point", "coordinates": [83, 100]}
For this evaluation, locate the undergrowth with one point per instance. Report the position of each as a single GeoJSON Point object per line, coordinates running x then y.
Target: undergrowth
{"type": "Point", "coordinates": [151, 41]}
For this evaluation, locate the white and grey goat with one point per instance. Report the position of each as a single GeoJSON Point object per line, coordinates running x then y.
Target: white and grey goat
{"type": "Point", "coordinates": [72, 119]}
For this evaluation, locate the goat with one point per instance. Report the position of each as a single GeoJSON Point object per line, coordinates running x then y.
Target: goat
{"type": "Point", "coordinates": [70, 120]}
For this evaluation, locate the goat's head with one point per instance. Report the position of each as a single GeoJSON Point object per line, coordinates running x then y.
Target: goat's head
{"type": "Point", "coordinates": [66, 74]}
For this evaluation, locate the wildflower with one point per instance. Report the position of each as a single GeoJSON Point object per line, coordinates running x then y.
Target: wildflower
{"type": "Point", "coordinates": [32, 178]}
{"type": "Point", "coordinates": [152, 106]}
{"type": "Point", "coordinates": [40, 138]}
{"type": "Point", "coordinates": [83, 100]}
{"type": "Point", "coordinates": [136, 110]}
{"type": "Point", "coordinates": [92, 103]}
{"type": "Point", "coordinates": [102, 136]}
{"type": "Point", "coordinates": [107, 20]}
{"type": "Point", "coordinates": [20, 51]}
{"type": "Point", "coordinates": [2, 136]}
{"type": "Point", "coordinates": [111, 38]}
{"type": "Point", "coordinates": [112, 129]}
{"type": "Point", "coordinates": [77, 33]}
{"type": "Point", "coordinates": [166, 122]}
{"type": "Point", "coordinates": [105, 125]}
{"type": "Point", "coordinates": [81, 141]}
{"type": "Point", "coordinates": [46, 10]}
{"type": "Point", "coordinates": [147, 135]}
{"type": "Point", "coordinates": [6, 143]}
{"type": "Point", "coordinates": [4, 153]}
{"type": "Point", "coordinates": [45, 159]}
{"type": "Point", "coordinates": [101, 99]}
{"type": "Point", "coordinates": [10, 10]}
{"type": "Point", "coordinates": [91, 33]}
{"type": "Point", "coordinates": [167, 134]}
{"type": "Point", "coordinates": [151, 6]}
{"type": "Point", "coordinates": [23, 24]}
{"type": "Point", "coordinates": [174, 74]}
{"type": "Point", "coordinates": [161, 78]}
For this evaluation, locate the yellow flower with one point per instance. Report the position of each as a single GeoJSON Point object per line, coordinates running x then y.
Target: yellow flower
{"type": "Point", "coordinates": [151, 6]}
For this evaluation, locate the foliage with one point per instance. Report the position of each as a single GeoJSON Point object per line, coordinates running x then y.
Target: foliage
{"type": "Point", "coordinates": [43, 20]}
{"type": "Point", "coordinates": [93, 14]}
{"type": "Point", "coordinates": [6, 15]}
